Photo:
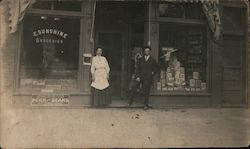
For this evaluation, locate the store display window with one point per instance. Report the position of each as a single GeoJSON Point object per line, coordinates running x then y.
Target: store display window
{"type": "Point", "coordinates": [49, 55]}
{"type": "Point", "coordinates": [182, 58]}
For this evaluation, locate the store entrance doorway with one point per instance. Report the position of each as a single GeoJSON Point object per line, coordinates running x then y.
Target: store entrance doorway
{"type": "Point", "coordinates": [119, 29]}
{"type": "Point", "coordinates": [112, 45]}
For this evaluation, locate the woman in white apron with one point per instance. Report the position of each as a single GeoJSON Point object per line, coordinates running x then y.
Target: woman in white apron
{"type": "Point", "coordinates": [100, 75]}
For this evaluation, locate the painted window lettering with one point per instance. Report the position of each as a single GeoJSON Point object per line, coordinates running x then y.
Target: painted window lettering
{"type": "Point", "coordinates": [50, 31]}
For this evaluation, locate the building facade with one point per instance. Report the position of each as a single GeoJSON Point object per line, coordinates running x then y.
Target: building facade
{"type": "Point", "coordinates": [46, 50]}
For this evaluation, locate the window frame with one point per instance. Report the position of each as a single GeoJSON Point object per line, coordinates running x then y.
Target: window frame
{"type": "Point", "coordinates": [20, 34]}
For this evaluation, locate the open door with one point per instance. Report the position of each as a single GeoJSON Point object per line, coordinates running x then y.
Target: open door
{"type": "Point", "coordinates": [112, 45]}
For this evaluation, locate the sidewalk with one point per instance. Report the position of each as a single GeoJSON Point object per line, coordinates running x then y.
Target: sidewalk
{"type": "Point", "coordinates": [121, 127]}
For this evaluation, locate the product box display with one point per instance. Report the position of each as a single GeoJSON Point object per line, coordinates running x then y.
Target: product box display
{"type": "Point", "coordinates": [182, 75]}
{"type": "Point", "coordinates": [198, 83]}
{"type": "Point", "coordinates": [187, 89]}
{"type": "Point", "coordinates": [203, 86]}
{"type": "Point", "coordinates": [165, 89]}
{"type": "Point", "coordinates": [162, 74]}
{"type": "Point", "coordinates": [198, 89]}
{"type": "Point", "coordinates": [195, 75]}
{"type": "Point", "coordinates": [163, 82]}
{"type": "Point", "coordinates": [170, 83]}
{"type": "Point", "coordinates": [169, 75]}
{"type": "Point", "coordinates": [170, 88]}
{"type": "Point", "coordinates": [192, 82]}
{"type": "Point", "coordinates": [158, 86]}
{"type": "Point", "coordinates": [185, 70]}
{"type": "Point", "coordinates": [192, 89]}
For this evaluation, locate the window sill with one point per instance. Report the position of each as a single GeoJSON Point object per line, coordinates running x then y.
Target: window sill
{"type": "Point", "coordinates": [181, 93]}
{"type": "Point", "coordinates": [23, 92]}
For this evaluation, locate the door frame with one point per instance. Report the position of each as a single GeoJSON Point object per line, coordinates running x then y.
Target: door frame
{"type": "Point", "coordinates": [243, 72]}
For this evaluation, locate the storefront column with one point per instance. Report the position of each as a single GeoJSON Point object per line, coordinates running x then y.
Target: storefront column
{"type": "Point", "coordinates": [216, 61]}
{"type": "Point", "coordinates": [151, 31]}
{"type": "Point", "coordinates": [152, 35]}
{"type": "Point", "coordinates": [86, 44]}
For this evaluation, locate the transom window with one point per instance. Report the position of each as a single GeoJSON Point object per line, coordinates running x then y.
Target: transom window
{"type": "Point", "coordinates": [65, 5]}
{"type": "Point", "coordinates": [181, 10]}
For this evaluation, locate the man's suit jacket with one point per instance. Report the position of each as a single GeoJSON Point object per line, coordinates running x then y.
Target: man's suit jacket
{"type": "Point", "coordinates": [146, 69]}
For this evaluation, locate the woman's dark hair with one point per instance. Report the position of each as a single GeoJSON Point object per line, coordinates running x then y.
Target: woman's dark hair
{"type": "Point", "coordinates": [147, 47]}
{"type": "Point", "coordinates": [97, 48]}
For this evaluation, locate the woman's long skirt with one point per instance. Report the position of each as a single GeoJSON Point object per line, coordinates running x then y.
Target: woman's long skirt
{"type": "Point", "coordinates": [101, 97]}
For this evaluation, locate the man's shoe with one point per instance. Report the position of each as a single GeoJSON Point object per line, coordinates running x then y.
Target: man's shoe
{"type": "Point", "coordinates": [146, 108]}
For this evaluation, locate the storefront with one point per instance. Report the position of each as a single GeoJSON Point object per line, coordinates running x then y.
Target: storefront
{"type": "Point", "coordinates": [56, 40]}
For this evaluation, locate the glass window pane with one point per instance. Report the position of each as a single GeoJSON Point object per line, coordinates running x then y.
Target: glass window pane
{"type": "Point", "coordinates": [50, 52]}
{"type": "Point", "coordinates": [68, 5]}
{"type": "Point", "coordinates": [181, 10]}
{"type": "Point", "coordinates": [233, 19]}
{"type": "Point", "coordinates": [42, 5]}
{"type": "Point", "coordinates": [74, 5]}
{"type": "Point", "coordinates": [182, 58]}
{"type": "Point", "coordinates": [171, 10]}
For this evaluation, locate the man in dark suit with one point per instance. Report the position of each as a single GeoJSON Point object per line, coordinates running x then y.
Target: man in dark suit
{"type": "Point", "coordinates": [145, 70]}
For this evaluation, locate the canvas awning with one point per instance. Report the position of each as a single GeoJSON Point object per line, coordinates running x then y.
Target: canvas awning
{"type": "Point", "coordinates": [17, 10]}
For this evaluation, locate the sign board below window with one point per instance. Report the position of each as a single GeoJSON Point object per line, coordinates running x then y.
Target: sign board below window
{"type": "Point", "coordinates": [50, 100]}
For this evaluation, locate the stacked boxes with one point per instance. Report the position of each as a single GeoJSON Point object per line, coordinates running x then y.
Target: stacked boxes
{"type": "Point", "coordinates": [163, 82]}
{"type": "Point", "coordinates": [203, 86]}
{"type": "Point", "coordinates": [162, 74]}
{"type": "Point", "coordinates": [175, 80]}
{"type": "Point", "coordinates": [196, 75]}
{"type": "Point", "coordinates": [171, 80]}
{"type": "Point", "coordinates": [192, 83]}
{"type": "Point", "coordinates": [182, 76]}
{"type": "Point", "coordinates": [158, 86]}
{"type": "Point", "coordinates": [195, 83]}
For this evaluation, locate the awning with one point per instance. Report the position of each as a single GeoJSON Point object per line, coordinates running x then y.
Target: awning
{"type": "Point", "coordinates": [17, 10]}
